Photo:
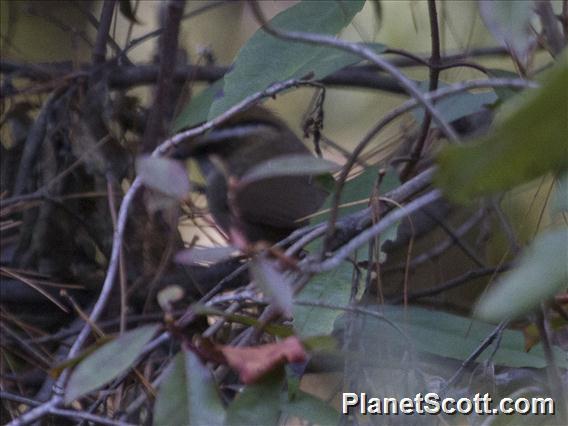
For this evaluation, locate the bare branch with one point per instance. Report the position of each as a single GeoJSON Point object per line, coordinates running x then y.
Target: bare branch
{"type": "Point", "coordinates": [363, 52]}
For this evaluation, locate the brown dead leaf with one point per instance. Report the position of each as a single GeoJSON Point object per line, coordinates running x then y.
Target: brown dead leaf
{"type": "Point", "coordinates": [254, 362]}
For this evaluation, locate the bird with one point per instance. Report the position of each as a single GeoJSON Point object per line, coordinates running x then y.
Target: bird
{"type": "Point", "coordinates": [268, 209]}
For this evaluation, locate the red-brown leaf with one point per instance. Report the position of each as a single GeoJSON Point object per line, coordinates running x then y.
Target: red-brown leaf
{"type": "Point", "coordinates": [254, 362]}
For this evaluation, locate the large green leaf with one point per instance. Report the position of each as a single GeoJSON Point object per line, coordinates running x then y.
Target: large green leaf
{"type": "Point", "coordinates": [504, 93]}
{"type": "Point", "coordinates": [528, 141]}
{"type": "Point", "coordinates": [354, 197]}
{"type": "Point", "coordinates": [262, 404]}
{"type": "Point", "coordinates": [458, 106]}
{"type": "Point", "coordinates": [357, 192]}
{"type": "Point", "coordinates": [332, 287]}
{"type": "Point", "coordinates": [560, 202]}
{"type": "Point", "coordinates": [107, 362]}
{"type": "Point", "coordinates": [310, 408]}
{"type": "Point", "coordinates": [274, 283]}
{"type": "Point", "coordinates": [509, 22]}
{"type": "Point", "coordinates": [188, 395]}
{"type": "Point", "coordinates": [279, 330]}
{"type": "Point", "coordinates": [265, 59]}
{"type": "Point", "coordinates": [258, 404]}
{"type": "Point", "coordinates": [451, 336]}
{"type": "Point", "coordinates": [197, 109]}
{"type": "Point", "coordinates": [541, 273]}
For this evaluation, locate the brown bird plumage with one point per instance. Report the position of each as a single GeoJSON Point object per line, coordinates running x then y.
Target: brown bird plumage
{"type": "Point", "coordinates": [268, 209]}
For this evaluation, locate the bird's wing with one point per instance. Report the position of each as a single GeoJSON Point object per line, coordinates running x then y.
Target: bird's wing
{"type": "Point", "coordinates": [278, 201]}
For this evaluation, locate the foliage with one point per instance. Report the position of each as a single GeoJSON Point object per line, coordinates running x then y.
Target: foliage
{"type": "Point", "coordinates": [212, 326]}
{"type": "Point", "coordinates": [542, 272]}
{"type": "Point", "coordinates": [107, 362]}
{"type": "Point", "coordinates": [528, 141]}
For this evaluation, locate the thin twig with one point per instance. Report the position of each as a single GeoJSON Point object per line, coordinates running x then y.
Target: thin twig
{"type": "Point", "coordinates": [357, 310]}
{"type": "Point", "coordinates": [388, 220]}
{"type": "Point", "coordinates": [552, 366]}
{"type": "Point", "coordinates": [122, 264]}
{"type": "Point", "coordinates": [439, 249]}
{"type": "Point", "coordinates": [452, 57]}
{"type": "Point", "coordinates": [478, 351]}
{"type": "Point", "coordinates": [418, 147]}
{"type": "Point", "coordinates": [57, 398]}
{"type": "Point", "coordinates": [514, 245]}
{"type": "Point", "coordinates": [81, 415]}
{"type": "Point", "coordinates": [364, 52]}
{"type": "Point", "coordinates": [454, 283]}
{"type": "Point", "coordinates": [388, 118]}
{"type": "Point", "coordinates": [463, 245]}
{"type": "Point", "coordinates": [137, 41]}
{"type": "Point", "coordinates": [271, 91]}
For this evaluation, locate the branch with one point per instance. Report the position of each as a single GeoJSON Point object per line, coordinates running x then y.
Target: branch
{"type": "Point", "coordinates": [480, 349]}
{"type": "Point", "coordinates": [407, 106]}
{"type": "Point", "coordinates": [168, 52]}
{"type": "Point", "coordinates": [434, 76]}
{"type": "Point", "coordinates": [453, 283]}
{"type": "Point", "coordinates": [45, 408]}
{"type": "Point", "coordinates": [480, 52]}
{"type": "Point", "coordinates": [126, 77]}
{"type": "Point", "coordinates": [198, 11]}
{"type": "Point", "coordinates": [388, 220]}
{"type": "Point", "coordinates": [550, 27]}
{"type": "Point", "coordinates": [552, 367]}
{"type": "Point", "coordinates": [364, 52]}
{"type": "Point", "coordinates": [99, 50]}
{"type": "Point", "coordinates": [439, 249]}
{"type": "Point", "coordinates": [33, 142]}
{"type": "Point", "coordinates": [359, 220]}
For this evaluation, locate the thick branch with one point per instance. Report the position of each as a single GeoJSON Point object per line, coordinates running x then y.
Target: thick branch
{"type": "Point", "coordinates": [155, 128]}
{"type": "Point", "coordinates": [99, 51]}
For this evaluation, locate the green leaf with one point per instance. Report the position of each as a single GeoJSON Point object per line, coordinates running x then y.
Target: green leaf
{"type": "Point", "coordinates": [195, 112]}
{"type": "Point", "coordinates": [310, 408]}
{"type": "Point", "coordinates": [264, 402]}
{"type": "Point", "coordinates": [107, 362]}
{"type": "Point", "coordinates": [320, 343]}
{"type": "Point", "coordinates": [450, 336]}
{"type": "Point", "coordinates": [289, 165]}
{"type": "Point", "coordinates": [278, 330]}
{"type": "Point", "coordinates": [274, 283]}
{"type": "Point", "coordinates": [560, 203]}
{"type": "Point", "coordinates": [528, 141]}
{"type": "Point", "coordinates": [188, 394]}
{"type": "Point", "coordinates": [70, 363]}
{"type": "Point", "coordinates": [332, 287]}
{"type": "Point", "coordinates": [265, 59]}
{"type": "Point", "coordinates": [541, 273]}
{"type": "Point", "coordinates": [163, 174]}
{"type": "Point", "coordinates": [458, 106]}
{"type": "Point", "coordinates": [504, 93]}
{"type": "Point", "coordinates": [355, 196]}
{"type": "Point", "coordinates": [258, 404]}
{"type": "Point", "coordinates": [359, 190]}
{"type": "Point", "coordinates": [509, 22]}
